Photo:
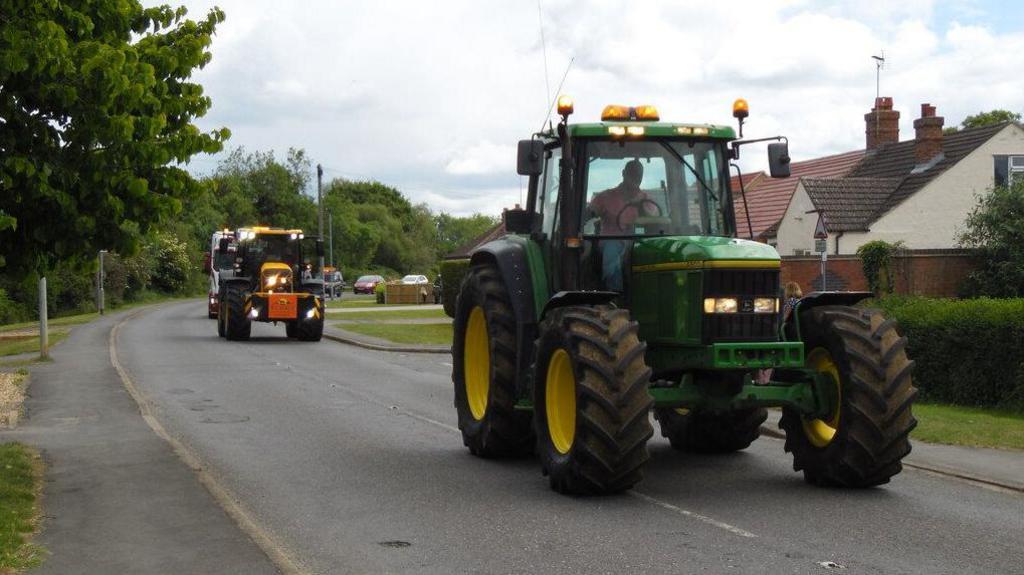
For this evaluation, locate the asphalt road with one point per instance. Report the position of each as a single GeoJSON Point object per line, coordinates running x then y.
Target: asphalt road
{"type": "Point", "coordinates": [351, 460]}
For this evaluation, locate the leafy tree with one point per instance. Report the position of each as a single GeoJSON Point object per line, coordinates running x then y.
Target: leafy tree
{"type": "Point", "coordinates": [95, 107]}
{"type": "Point", "coordinates": [255, 188]}
{"type": "Point", "coordinates": [986, 119]}
{"type": "Point", "coordinates": [453, 232]}
{"type": "Point", "coordinates": [995, 227]}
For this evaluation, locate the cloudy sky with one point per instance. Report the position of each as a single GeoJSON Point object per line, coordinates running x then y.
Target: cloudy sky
{"type": "Point", "coordinates": [431, 96]}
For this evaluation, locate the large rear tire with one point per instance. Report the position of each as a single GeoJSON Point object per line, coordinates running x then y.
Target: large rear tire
{"type": "Point", "coordinates": [592, 401]}
{"type": "Point", "coordinates": [237, 323]}
{"type": "Point", "coordinates": [711, 432]}
{"type": "Point", "coordinates": [862, 442]}
{"type": "Point", "coordinates": [484, 360]}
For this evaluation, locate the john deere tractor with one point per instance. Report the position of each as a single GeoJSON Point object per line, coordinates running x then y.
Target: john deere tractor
{"type": "Point", "coordinates": [274, 278]}
{"type": "Point", "coordinates": [622, 288]}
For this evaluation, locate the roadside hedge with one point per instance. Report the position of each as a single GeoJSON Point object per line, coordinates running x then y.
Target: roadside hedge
{"type": "Point", "coordinates": [452, 272]}
{"type": "Point", "coordinates": [968, 352]}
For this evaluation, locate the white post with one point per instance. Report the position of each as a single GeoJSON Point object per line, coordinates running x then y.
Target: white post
{"type": "Point", "coordinates": [44, 338]}
{"type": "Point", "coordinates": [824, 261]}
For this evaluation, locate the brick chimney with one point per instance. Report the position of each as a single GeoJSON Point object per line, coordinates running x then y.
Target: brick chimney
{"type": "Point", "coordinates": [882, 124]}
{"type": "Point", "coordinates": [928, 135]}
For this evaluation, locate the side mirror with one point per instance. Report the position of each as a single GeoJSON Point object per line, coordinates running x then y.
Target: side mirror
{"type": "Point", "coordinates": [207, 268]}
{"type": "Point", "coordinates": [319, 248]}
{"type": "Point", "coordinates": [531, 158]}
{"type": "Point", "coordinates": [518, 221]}
{"type": "Point", "coordinates": [778, 160]}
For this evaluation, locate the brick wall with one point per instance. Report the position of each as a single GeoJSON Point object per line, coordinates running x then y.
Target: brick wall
{"type": "Point", "coordinates": [936, 273]}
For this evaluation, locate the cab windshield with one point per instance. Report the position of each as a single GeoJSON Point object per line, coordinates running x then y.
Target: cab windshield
{"type": "Point", "coordinates": [275, 248]}
{"type": "Point", "coordinates": [655, 188]}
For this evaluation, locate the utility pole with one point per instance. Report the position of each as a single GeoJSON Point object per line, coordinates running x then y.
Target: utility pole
{"type": "Point", "coordinates": [44, 334]}
{"type": "Point", "coordinates": [320, 209]}
{"type": "Point", "coordinates": [330, 234]}
{"type": "Point", "coordinates": [100, 292]}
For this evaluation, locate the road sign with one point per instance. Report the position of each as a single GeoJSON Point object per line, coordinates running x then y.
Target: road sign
{"type": "Point", "coordinates": [820, 246]}
{"type": "Point", "coordinates": [820, 233]}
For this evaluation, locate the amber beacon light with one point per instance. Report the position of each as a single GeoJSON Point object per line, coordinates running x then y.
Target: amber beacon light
{"type": "Point", "coordinates": [565, 105]}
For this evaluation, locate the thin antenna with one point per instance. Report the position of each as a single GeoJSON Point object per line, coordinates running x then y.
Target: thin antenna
{"type": "Point", "coordinates": [544, 49]}
{"type": "Point", "coordinates": [547, 116]}
{"type": "Point", "coordinates": [879, 64]}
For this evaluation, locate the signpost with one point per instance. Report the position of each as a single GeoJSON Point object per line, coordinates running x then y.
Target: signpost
{"type": "Point", "coordinates": [821, 245]}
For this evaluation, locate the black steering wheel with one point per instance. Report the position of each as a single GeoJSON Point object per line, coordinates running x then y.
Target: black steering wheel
{"type": "Point", "coordinates": [639, 206]}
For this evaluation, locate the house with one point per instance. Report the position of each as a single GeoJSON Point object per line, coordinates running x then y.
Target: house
{"type": "Point", "coordinates": [918, 191]}
{"type": "Point", "coordinates": [769, 197]}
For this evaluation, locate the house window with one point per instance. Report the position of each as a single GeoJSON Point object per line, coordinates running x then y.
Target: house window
{"type": "Point", "coordinates": [1008, 169]}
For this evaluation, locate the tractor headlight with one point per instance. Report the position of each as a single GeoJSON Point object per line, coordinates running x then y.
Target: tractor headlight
{"type": "Point", "coordinates": [254, 313]}
{"type": "Point", "coordinates": [720, 305]}
{"type": "Point", "coordinates": [766, 305]}
{"type": "Point", "coordinates": [310, 313]}
{"type": "Point", "coordinates": [272, 280]}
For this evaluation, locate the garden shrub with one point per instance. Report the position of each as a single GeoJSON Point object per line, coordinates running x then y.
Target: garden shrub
{"type": "Point", "coordinates": [968, 352]}
{"type": "Point", "coordinates": [452, 272]}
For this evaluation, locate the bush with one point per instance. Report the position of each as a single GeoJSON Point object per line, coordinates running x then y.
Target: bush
{"type": "Point", "coordinates": [379, 292]}
{"type": "Point", "coordinates": [11, 311]}
{"type": "Point", "coordinates": [968, 352]}
{"type": "Point", "coordinates": [876, 262]}
{"type": "Point", "coordinates": [452, 272]}
{"type": "Point", "coordinates": [996, 229]}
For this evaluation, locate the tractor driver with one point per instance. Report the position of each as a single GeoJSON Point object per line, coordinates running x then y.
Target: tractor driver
{"type": "Point", "coordinates": [617, 208]}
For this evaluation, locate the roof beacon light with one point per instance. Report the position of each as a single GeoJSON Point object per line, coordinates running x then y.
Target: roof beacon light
{"type": "Point", "coordinates": [615, 112]}
{"type": "Point", "coordinates": [740, 109]}
{"type": "Point", "coordinates": [565, 105]}
{"type": "Point", "coordinates": [647, 113]}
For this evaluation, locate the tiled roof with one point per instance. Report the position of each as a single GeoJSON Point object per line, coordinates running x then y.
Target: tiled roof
{"type": "Point", "coordinates": [898, 161]}
{"type": "Point", "coordinates": [769, 197]}
{"type": "Point", "coordinates": [849, 203]}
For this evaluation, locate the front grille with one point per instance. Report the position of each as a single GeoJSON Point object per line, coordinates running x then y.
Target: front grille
{"type": "Point", "coordinates": [744, 285]}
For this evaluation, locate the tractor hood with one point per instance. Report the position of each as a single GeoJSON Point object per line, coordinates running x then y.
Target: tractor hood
{"type": "Point", "coordinates": [677, 252]}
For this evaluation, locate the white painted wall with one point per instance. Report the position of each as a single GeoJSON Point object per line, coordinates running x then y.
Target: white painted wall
{"type": "Point", "coordinates": [796, 232]}
{"type": "Point", "coordinates": [929, 219]}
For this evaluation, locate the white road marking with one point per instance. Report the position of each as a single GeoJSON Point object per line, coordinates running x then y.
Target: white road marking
{"type": "Point", "coordinates": [704, 518]}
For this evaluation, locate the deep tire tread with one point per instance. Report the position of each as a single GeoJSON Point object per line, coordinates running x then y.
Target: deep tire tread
{"type": "Point", "coordinates": [613, 402]}
{"type": "Point", "coordinates": [876, 398]}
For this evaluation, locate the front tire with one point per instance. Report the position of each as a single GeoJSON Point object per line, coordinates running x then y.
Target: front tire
{"type": "Point", "coordinates": [862, 442]}
{"type": "Point", "coordinates": [484, 360]}
{"type": "Point", "coordinates": [592, 400]}
{"type": "Point", "coordinates": [711, 432]}
{"type": "Point", "coordinates": [237, 323]}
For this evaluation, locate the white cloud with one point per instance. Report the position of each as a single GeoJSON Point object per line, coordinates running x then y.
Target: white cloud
{"type": "Point", "coordinates": [433, 99]}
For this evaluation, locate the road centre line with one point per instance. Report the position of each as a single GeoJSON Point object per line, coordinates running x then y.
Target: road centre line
{"type": "Point", "coordinates": [687, 513]}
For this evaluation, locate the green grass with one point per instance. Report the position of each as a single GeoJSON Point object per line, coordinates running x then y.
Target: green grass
{"type": "Point", "coordinates": [361, 302]}
{"type": "Point", "coordinates": [19, 487]}
{"type": "Point", "coordinates": [53, 322]}
{"type": "Point", "coordinates": [393, 314]}
{"type": "Point", "coordinates": [15, 346]}
{"type": "Point", "coordinates": [438, 334]}
{"type": "Point", "coordinates": [970, 426]}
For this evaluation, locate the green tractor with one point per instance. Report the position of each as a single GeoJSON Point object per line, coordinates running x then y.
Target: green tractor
{"type": "Point", "coordinates": [621, 287]}
{"type": "Point", "coordinates": [274, 278]}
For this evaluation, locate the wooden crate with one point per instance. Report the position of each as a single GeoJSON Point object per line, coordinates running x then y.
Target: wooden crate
{"type": "Point", "coordinates": [407, 294]}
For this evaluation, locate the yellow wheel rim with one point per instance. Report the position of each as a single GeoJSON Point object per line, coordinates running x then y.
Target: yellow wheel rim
{"type": "Point", "coordinates": [476, 363]}
{"type": "Point", "coordinates": [560, 401]}
{"type": "Point", "coordinates": [820, 432]}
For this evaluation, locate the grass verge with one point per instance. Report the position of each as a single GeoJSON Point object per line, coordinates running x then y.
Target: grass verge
{"type": "Point", "coordinates": [14, 346]}
{"type": "Point", "coordinates": [969, 426]}
{"type": "Point", "coordinates": [20, 486]}
{"type": "Point", "coordinates": [392, 314]}
{"type": "Point", "coordinates": [361, 302]}
{"type": "Point", "coordinates": [53, 322]}
{"type": "Point", "coordinates": [423, 334]}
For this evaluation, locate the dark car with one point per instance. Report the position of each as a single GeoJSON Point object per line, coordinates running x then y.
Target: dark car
{"type": "Point", "coordinates": [366, 284]}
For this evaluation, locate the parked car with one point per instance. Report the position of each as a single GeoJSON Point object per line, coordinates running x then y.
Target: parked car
{"type": "Point", "coordinates": [366, 284]}
{"type": "Point", "coordinates": [415, 280]}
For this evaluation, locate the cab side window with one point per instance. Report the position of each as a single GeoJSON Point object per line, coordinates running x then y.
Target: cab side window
{"type": "Point", "coordinates": [547, 201]}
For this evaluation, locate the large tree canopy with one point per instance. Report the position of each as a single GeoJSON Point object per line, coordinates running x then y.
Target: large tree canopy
{"type": "Point", "coordinates": [95, 108]}
{"type": "Point", "coordinates": [996, 229]}
{"type": "Point", "coordinates": [985, 119]}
